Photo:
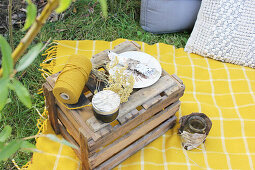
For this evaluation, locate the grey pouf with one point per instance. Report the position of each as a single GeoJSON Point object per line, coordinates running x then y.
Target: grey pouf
{"type": "Point", "coordinates": [168, 16]}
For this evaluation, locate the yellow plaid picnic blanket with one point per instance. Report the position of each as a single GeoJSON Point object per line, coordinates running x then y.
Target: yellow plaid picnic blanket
{"type": "Point", "coordinates": [224, 92]}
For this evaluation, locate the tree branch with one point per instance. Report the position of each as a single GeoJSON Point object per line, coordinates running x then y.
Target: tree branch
{"type": "Point", "coordinates": [33, 31]}
{"type": "Point", "coordinates": [10, 23]}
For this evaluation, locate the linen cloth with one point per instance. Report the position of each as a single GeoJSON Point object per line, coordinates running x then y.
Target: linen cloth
{"type": "Point", "coordinates": [224, 92]}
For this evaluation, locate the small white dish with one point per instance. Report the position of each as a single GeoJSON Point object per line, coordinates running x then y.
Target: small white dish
{"type": "Point", "coordinates": [145, 69]}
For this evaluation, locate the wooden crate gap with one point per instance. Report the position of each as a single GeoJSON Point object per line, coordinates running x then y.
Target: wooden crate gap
{"type": "Point", "coordinates": [139, 108]}
{"type": "Point", "coordinates": [114, 123]}
{"type": "Point", "coordinates": [162, 94]}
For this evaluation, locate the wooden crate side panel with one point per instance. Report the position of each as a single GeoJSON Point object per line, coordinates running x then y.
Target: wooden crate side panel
{"type": "Point", "coordinates": [69, 126]}
{"type": "Point", "coordinates": [69, 114]}
{"type": "Point", "coordinates": [78, 122]}
{"type": "Point", "coordinates": [51, 107]}
{"type": "Point", "coordinates": [145, 94]}
{"type": "Point", "coordinates": [136, 146]}
{"type": "Point", "coordinates": [158, 98]}
{"type": "Point", "coordinates": [84, 152]}
{"type": "Point", "coordinates": [158, 103]}
{"type": "Point", "coordinates": [124, 128]}
{"type": "Point", "coordinates": [133, 135]}
{"type": "Point", "coordinates": [70, 139]}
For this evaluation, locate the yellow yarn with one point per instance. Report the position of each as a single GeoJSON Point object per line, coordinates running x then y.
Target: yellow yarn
{"type": "Point", "coordinates": [72, 79]}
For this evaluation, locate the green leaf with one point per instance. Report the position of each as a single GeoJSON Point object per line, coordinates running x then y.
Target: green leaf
{"type": "Point", "coordinates": [9, 100]}
{"type": "Point", "coordinates": [31, 14]}
{"type": "Point", "coordinates": [27, 146]}
{"type": "Point", "coordinates": [104, 7]}
{"type": "Point", "coordinates": [4, 82]}
{"type": "Point", "coordinates": [22, 93]}
{"type": "Point", "coordinates": [7, 61]}
{"type": "Point", "coordinates": [63, 5]}
{"type": "Point", "coordinates": [27, 59]}
{"type": "Point", "coordinates": [185, 40]}
{"type": "Point", "coordinates": [9, 150]}
{"type": "Point", "coordinates": [63, 141]}
{"type": "Point", "coordinates": [6, 133]}
{"type": "Point", "coordinates": [139, 33]}
{"type": "Point", "coordinates": [1, 145]}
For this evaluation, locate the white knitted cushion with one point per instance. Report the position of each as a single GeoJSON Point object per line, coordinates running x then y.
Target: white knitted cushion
{"type": "Point", "coordinates": [225, 31]}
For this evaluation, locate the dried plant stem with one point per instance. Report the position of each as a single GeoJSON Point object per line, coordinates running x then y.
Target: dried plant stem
{"type": "Point", "coordinates": [33, 31]}
{"type": "Point", "coordinates": [10, 23]}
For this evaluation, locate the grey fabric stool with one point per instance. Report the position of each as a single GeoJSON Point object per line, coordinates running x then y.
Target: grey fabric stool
{"type": "Point", "coordinates": [168, 16]}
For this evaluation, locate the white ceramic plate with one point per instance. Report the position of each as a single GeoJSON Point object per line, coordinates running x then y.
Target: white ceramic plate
{"type": "Point", "coordinates": [146, 72]}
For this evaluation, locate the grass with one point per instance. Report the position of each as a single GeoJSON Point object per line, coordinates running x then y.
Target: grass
{"type": "Point", "coordinates": [81, 21]}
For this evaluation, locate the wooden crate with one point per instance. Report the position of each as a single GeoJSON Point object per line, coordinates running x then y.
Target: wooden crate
{"type": "Point", "coordinates": [148, 114]}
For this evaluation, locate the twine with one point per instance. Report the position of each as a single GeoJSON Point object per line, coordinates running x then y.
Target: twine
{"type": "Point", "coordinates": [192, 140]}
{"type": "Point", "coordinates": [72, 79]}
{"type": "Point", "coordinates": [74, 108]}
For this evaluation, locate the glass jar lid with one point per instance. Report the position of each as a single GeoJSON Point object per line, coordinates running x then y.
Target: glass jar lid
{"type": "Point", "coordinates": [106, 102]}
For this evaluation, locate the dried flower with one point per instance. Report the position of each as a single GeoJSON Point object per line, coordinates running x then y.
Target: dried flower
{"type": "Point", "coordinates": [119, 82]}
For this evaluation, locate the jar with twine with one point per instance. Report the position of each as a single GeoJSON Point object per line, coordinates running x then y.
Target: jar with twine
{"type": "Point", "coordinates": [194, 130]}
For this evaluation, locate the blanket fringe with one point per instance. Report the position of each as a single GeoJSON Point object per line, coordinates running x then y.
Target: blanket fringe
{"type": "Point", "coordinates": [49, 62]}
{"type": "Point", "coordinates": [46, 70]}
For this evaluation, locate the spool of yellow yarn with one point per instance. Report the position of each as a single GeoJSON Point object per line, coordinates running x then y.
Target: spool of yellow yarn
{"type": "Point", "coordinates": [72, 79]}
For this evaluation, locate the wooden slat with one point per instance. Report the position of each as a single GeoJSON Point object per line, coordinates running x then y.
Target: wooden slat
{"type": "Point", "coordinates": [135, 112]}
{"type": "Point", "coordinates": [104, 131]}
{"type": "Point", "coordinates": [69, 126]}
{"type": "Point", "coordinates": [86, 113]}
{"type": "Point", "coordinates": [177, 78]}
{"type": "Point", "coordinates": [84, 152]}
{"type": "Point", "coordinates": [146, 94]}
{"type": "Point", "coordinates": [132, 136]}
{"type": "Point", "coordinates": [52, 79]}
{"type": "Point", "coordinates": [171, 90]}
{"type": "Point", "coordinates": [142, 111]}
{"type": "Point", "coordinates": [96, 125]}
{"type": "Point", "coordinates": [51, 107]}
{"type": "Point", "coordinates": [69, 138]}
{"type": "Point", "coordinates": [130, 116]}
{"type": "Point", "coordinates": [100, 58]}
{"type": "Point", "coordinates": [136, 146]}
{"type": "Point", "coordinates": [124, 128]}
{"type": "Point", "coordinates": [77, 121]}
{"type": "Point", "coordinates": [152, 101]}
{"type": "Point", "coordinates": [164, 73]}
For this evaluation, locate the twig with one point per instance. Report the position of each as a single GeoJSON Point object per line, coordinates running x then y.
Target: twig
{"type": "Point", "coordinates": [34, 136]}
{"type": "Point", "coordinates": [40, 114]}
{"type": "Point", "coordinates": [22, 74]}
{"type": "Point", "coordinates": [15, 164]}
{"type": "Point", "coordinates": [47, 43]}
{"type": "Point", "coordinates": [10, 23]}
{"type": "Point", "coordinates": [33, 31]}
